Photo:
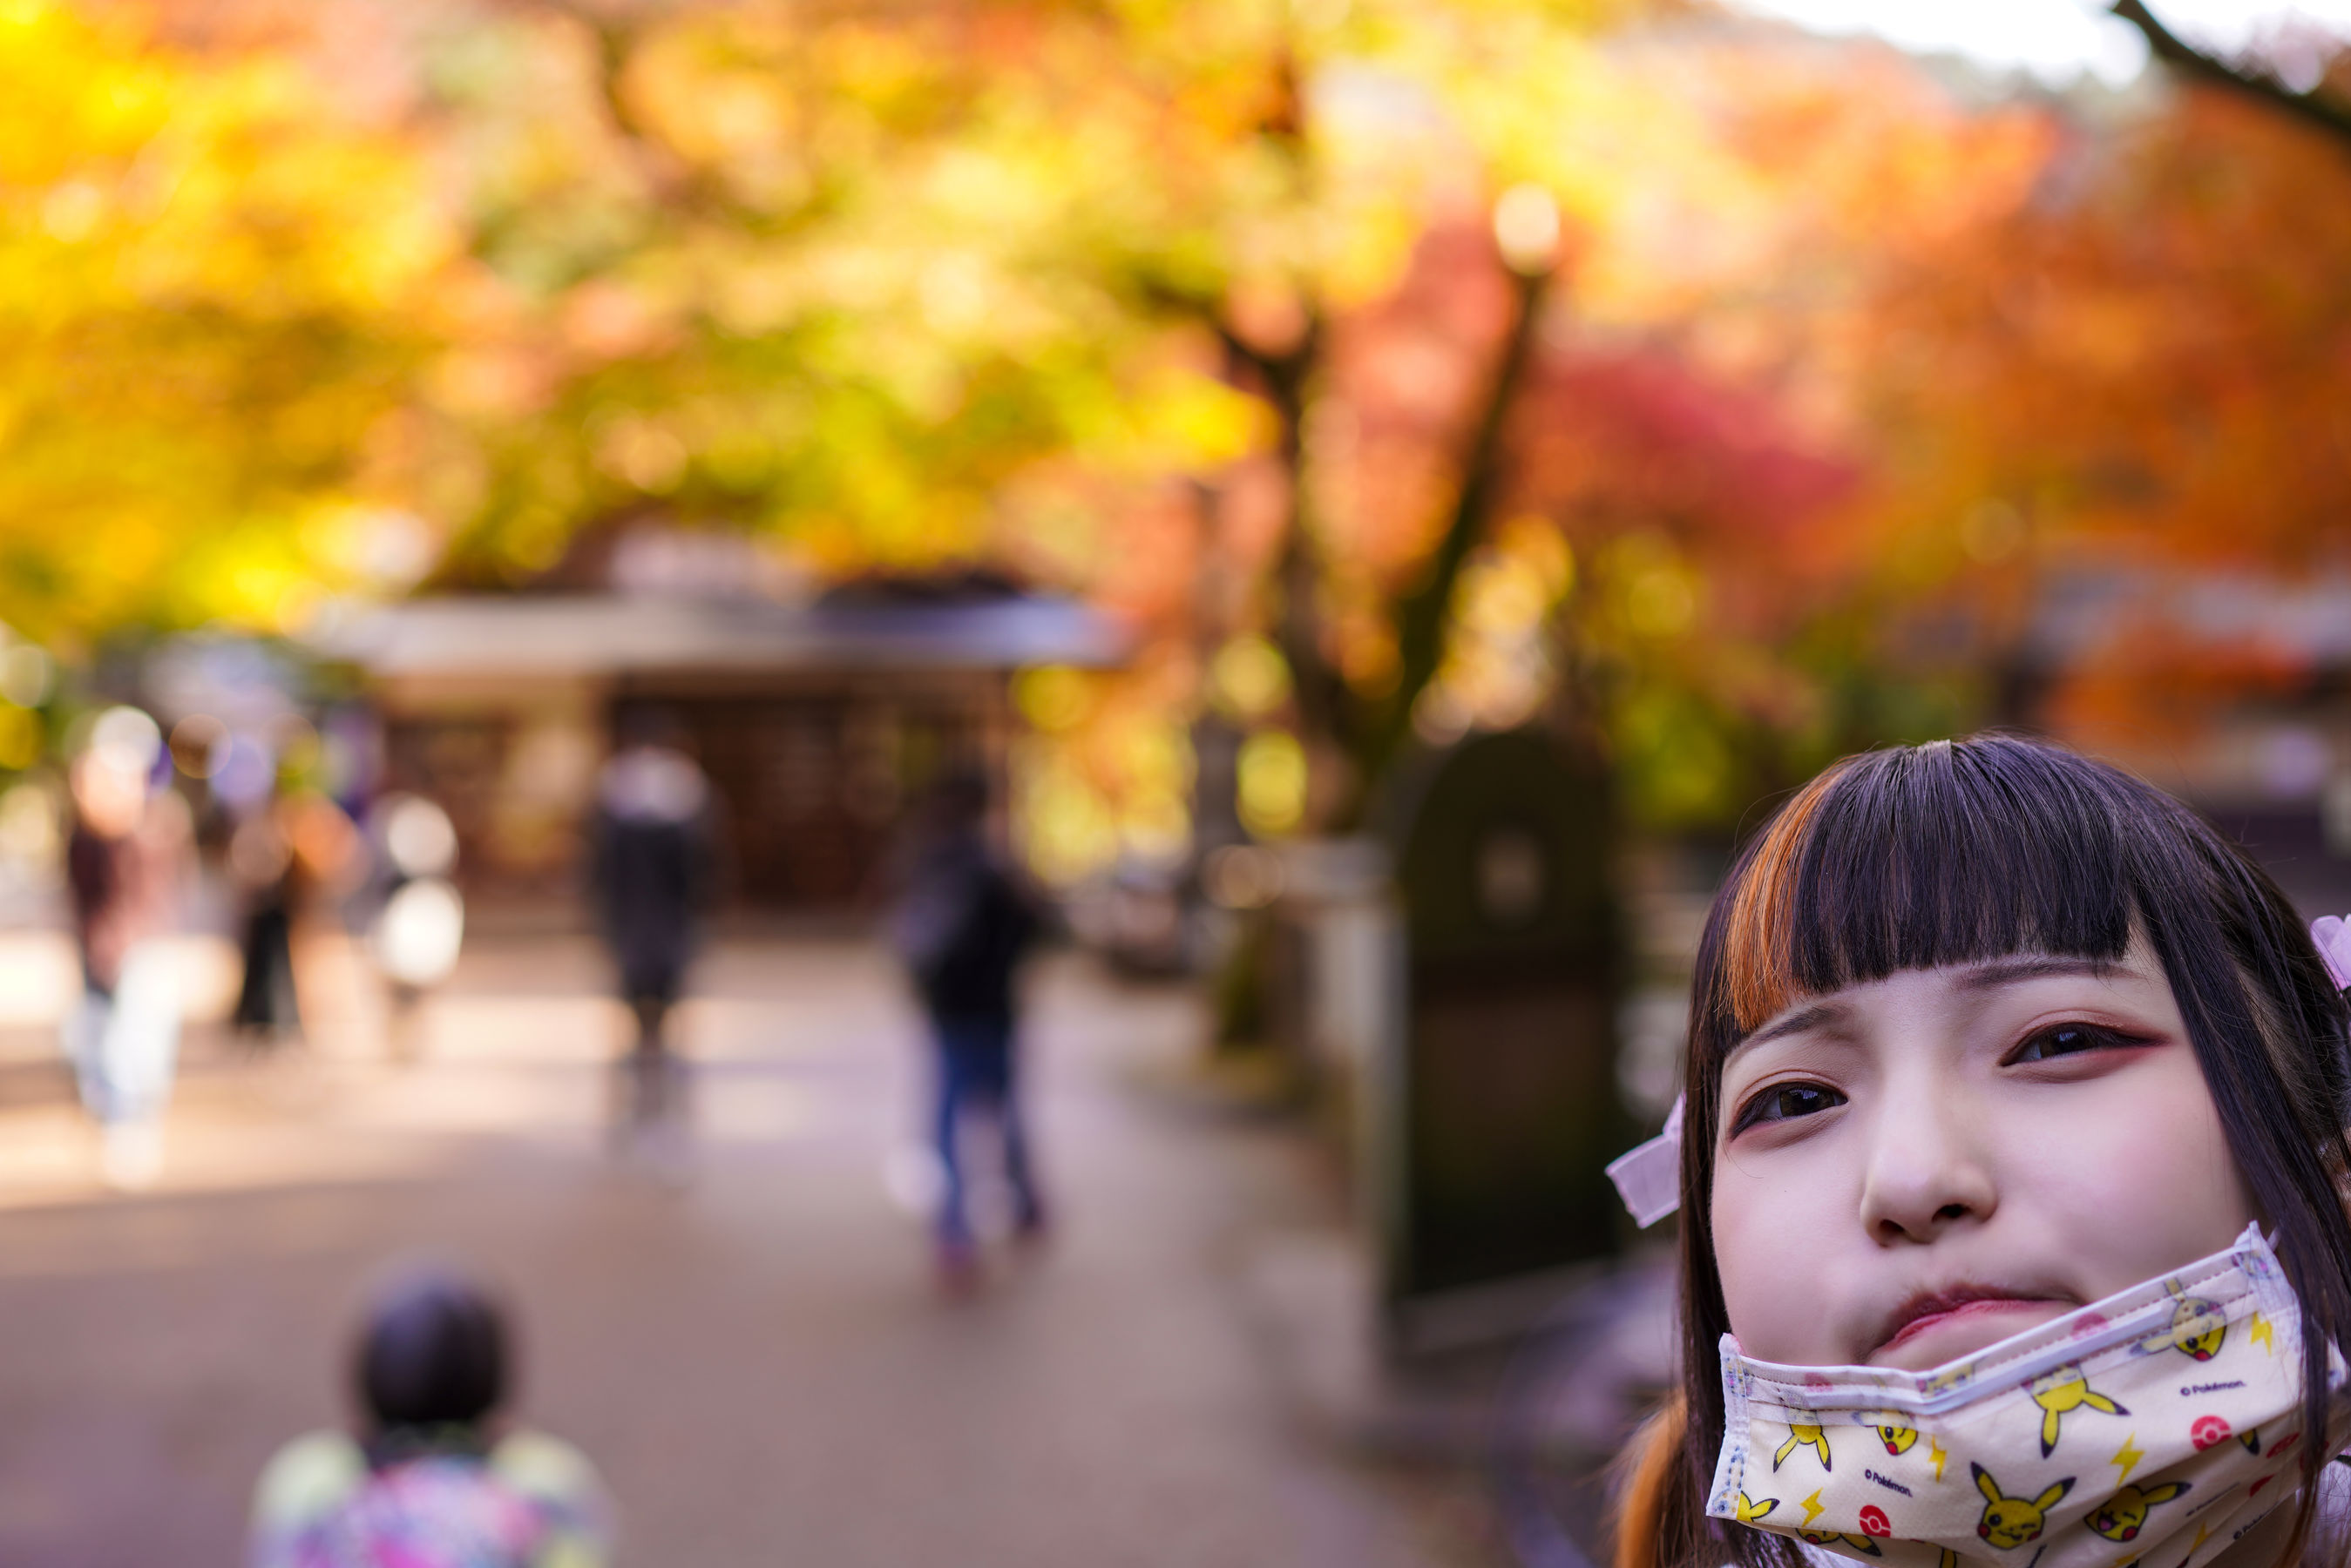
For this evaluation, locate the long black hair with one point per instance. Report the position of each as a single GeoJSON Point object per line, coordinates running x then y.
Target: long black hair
{"type": "Point", "coordinates": [1959, 851]}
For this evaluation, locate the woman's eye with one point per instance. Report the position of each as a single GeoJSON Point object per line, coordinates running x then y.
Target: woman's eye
{"type": "Point", "coordinates": [1786, 1102]}
{"type": "Point", "coordinates": [2065, 1040]}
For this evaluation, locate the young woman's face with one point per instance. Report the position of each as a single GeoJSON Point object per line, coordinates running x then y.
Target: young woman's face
{"type": "Point", "coordinates": [1911, 1169]}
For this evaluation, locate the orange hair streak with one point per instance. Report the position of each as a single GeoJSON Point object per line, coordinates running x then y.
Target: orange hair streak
{"type": "Point", "coordinates": [1756, 958]}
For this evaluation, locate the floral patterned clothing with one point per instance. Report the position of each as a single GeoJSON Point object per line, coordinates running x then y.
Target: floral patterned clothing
{"type": "Point", "coordinates": [532, 1501]}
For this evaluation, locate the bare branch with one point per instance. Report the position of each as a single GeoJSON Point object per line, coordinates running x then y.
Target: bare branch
{"type": "Point", "coordinates": [2316, 108]}
{"type": "Point", "coordinates": [1238, 352]}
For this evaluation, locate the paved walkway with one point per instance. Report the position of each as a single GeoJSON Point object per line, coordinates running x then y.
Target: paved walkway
{"type": "Point", "coordinates": [757, 1361]}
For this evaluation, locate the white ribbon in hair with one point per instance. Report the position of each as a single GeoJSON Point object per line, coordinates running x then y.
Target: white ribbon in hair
{"type": "Point", "coordinates": [2334, 940]}
{"type": "Point", "coordinates": [1649, 1177]}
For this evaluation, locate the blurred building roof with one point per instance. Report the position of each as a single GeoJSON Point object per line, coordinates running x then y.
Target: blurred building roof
{"type": "Point", "coordinates": [870, 628]}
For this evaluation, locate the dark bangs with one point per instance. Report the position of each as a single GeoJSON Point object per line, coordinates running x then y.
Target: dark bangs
{"type": "Point", "coordinates": [1913, 858]}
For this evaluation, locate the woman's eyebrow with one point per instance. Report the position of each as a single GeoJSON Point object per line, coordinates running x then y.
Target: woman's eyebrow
{"type": "Point", "coordinates": [1796, 1023]}
{"type": "Point", "coordinates": [2009, 971]}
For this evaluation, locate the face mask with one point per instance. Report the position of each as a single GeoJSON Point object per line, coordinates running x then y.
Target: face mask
{"type": "Point", "coordinates": [2154, 1429]}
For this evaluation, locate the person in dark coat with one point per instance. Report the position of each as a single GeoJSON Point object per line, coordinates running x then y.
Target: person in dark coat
{"type": "Point", "coordinates": [962, 925]}
{"type": "Point", "coordinates": [652, 843]}
{"type": "Point", "coordinates": [292, 859]}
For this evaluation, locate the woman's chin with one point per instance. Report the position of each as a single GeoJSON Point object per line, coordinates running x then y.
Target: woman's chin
{"type": "Point", "coordinates": [1950, 1336]}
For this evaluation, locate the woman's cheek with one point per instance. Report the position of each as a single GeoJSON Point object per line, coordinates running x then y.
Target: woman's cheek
{"type": "Point", "coordinates": [1773, 1229]}
{"type": "Point", "coordinates": [2134, 1174]}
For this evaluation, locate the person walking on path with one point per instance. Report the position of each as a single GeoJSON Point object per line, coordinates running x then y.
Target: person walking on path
{"type": "Point", "coordinates": [291, 859]}
{"type": "Point", "coordinates": [125, 861]}
{"type": "Point", "coordinates": [963, 923]}
{"type": "Point", "coordinates": [653, 873]}
{"type": "Point", "coordinates": [434, 1479]}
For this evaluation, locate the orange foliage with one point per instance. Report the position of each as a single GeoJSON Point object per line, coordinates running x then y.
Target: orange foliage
{"type": "Point", "coordinates": [2152, 349]}
{"type": "Point", "coordinates": [2144, 360]}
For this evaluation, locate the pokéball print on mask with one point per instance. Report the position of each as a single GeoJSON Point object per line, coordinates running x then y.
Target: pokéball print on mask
{"type": "Point", "coordinates": [2153, 1428]}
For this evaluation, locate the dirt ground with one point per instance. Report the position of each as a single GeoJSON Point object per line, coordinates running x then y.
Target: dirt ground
{"type": "Point", "coordinates": [756, 1357]}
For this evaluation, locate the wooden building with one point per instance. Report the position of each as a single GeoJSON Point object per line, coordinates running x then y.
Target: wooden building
{"type": "Point", "coordinates": [817, 722]}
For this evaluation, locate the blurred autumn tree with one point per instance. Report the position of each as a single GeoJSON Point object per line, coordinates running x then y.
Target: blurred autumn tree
{"type": "Point", "coordinates": [212, 287]}
{"type": "Point", "coordinates": [1678, 477]}
{"type": "Point", "coordinates": [790, 270]}
{"type": "Point", "coordinates": [945, 282]}
{"type": "Point", "coordinates": [1994, 386]}
{"type": "Point", "coordinates": [2110, 384]}
{"type": "Point", "coordinates": [1758, 599]}
{"type": "Point", "coordinates": [932, 285]}
{"type": "Point", "coordinates": [1816, 371]}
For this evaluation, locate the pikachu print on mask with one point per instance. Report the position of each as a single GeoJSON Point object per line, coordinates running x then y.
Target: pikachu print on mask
{"type": "Point", "coordinates": [2061, 1391]}
{"type": "Point", "coordinates": [1852, 1545]}
{"type": "Point", "coordinates": [2197, 1329]}
{"type": "Point", "coordinates": [2010, 1522]}
{"type": "Point", "coordinates": [2153, 1428]}
{"type": "Point", "coordinates": [2120, 1516]}
{"type": "Point", "coordinates": [1802, 1435]}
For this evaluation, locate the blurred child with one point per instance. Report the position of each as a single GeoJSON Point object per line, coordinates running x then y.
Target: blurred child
{"type": "Point", "coordinates": [436, 1477]}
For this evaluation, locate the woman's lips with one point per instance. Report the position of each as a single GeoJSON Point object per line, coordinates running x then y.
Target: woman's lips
{"type": "Point", "coordinates": [1972, 1313]}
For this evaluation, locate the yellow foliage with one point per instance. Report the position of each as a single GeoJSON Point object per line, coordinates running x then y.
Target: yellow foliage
{"type": "Point", "coordinates": [1273, 783]}
{"type": "Point", "coordinates": [211, 286]}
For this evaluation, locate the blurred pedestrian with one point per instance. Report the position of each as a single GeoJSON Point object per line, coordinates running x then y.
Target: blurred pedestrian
{"type": "Point", "coordinates": [420, 920]}
{"type": "Point", "coordinates": [654, 865]}
{"type": "Point", "coordinates": [436, 1477]}
{"type": "Point", "coordinates": [288, 859]}
{"type": "Point", "coordinates": [963, 923]}
{"type": "Point", "coordinates": [125, 861]}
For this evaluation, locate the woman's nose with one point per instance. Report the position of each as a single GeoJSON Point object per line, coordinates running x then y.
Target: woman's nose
{"type": "Point", "coordinates": [1925, 1173]}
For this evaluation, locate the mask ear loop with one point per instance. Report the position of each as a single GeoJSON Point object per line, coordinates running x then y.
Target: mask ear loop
{"type": "Point", "coordinates": [2334, 940]}
{"type": "Point", "coordinates": [1649, 1177]}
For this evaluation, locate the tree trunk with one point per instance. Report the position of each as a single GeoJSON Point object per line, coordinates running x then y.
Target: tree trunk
{"type": "Point", "coordinates": [1424, 615]}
